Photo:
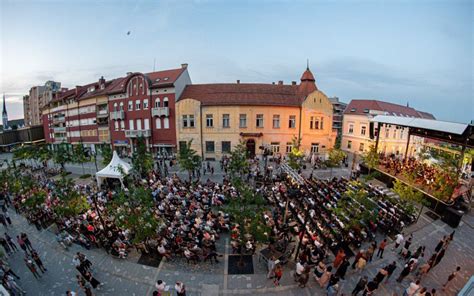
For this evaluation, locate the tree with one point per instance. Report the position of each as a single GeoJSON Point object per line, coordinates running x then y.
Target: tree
{"type": "Point", "coordinates": [336, 156]}
{"type": "Point", "coordinates": [135, 211]}
{"type": "Point", "coordinates": [142, 160]}
{"type": "Point", "coordinates": [107, 154]}
{"type": "Point", "coordinates": [246, 210]}
{"type": "Point", "coordinates": [238, 163]}
{"type": "Point", "coordinates": [188, 159]}
{"type": "Point", "coordinates": [62, 155]}
{"type": "Point", "coordinates": [409, 194]}
{"type": "Point", "coordinates": [371, 158]}
{"type": "Point", "coordinates": [295, 156]}
{"type": "Point", "coordinates": [79, 155]}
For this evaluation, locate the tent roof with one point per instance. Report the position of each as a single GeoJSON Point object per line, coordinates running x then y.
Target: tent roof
{"type": "Point", "coordinates": [111, 170]}
{"type": "Point", "coordinates": [428, 124]}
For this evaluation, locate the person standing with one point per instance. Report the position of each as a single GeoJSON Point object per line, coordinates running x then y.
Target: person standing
{"type": "Point", "coordinates": [440, 244]}
{"type": "Point", "coordinates": [412, 288]}
{"type": "Point", "coordinates": [371, 251]}
{"type": "Point", "coordinates": [38, 261]}
{"type": "Point", "coordinates": [21, 242]}
{"type": "Point", "coordinates": [339, 257]}
{"type": "Point", "coordinates": [325, 277]}
{"type": "Point", "coordinates": [12, 284]}
{"type": "Point", "coordinates": [360, 285]}
{"type": "Point", "coordinates": [25, 238]}
{"type": "Point", "coordinates": [451, 277]}
{"type": "Point", "coordinates": [406, 270]}
{"type": "Point", "coordinates": [361, 264]}
{"type": "Point", "coordinates": [180, 289]}
{"type": "Point", "coordinates": [5, 245]}
{"type": "Point", "coordinates": [370, 288]}
{"type": "Point", "coordinates": [398, 240]}
{"type": "Point", "coordinates": [380, 276]}
{"type": "Point", "coordinates": [382, 246]}
{"type": "Point", "coordinates": [356, 259]}
{"type": "Point", "coordinates": [10, 242]}
{"type": "Point", "coordinates": [271, 267]}
{"type": "Point", "coordinates": [92, 280]}
{"type": "Point", "coordinates": [390, 269]}
{"type": "Point", "coordinates": [439, 257]}
{"type": "Point", "coordinates": [341, 271]}
{"type": "Point", "coordinates": [31, 266]}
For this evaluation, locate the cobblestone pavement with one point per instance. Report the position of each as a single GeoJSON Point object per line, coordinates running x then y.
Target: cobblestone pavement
{"type": "Point", "coordinates": [126, 277]}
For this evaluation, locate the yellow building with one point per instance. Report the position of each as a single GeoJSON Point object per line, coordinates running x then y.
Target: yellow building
{"type": "Point", "coordinates": [216, 117]}
{"type": "Point", "coordinates": [358, 134]}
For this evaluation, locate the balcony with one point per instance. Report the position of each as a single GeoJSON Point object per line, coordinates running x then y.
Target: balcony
{"type": "Point", "coordinates": [60, 139]}
{"type": "Point", "coordinates": [59, 119]}
{"type": "Point", "coordinates": [137, 133]}
{"type": "Point", "coordinates": [160, 111]}
{"type": "Point", "coordinates": [59, 129]}
{"type": "Point", "coordinates": [116, 115]}
{"type": "Point", "coordinates": [102, 113]}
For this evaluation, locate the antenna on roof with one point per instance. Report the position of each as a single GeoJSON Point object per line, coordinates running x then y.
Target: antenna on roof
{"type": "Point", "coordinates": [154, 60]}
{"type": "Point", "coordinates": [307, 64]}
{"type": "Point", "coordinates": [408, 105]}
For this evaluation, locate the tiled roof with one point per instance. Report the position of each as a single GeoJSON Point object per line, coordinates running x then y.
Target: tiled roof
{"type": "Point", "coordinates": [362, 107]}
{"type": "Point", "coordinates": [244, 94]}
{"type": "Point", "coordinates": [157, 79]}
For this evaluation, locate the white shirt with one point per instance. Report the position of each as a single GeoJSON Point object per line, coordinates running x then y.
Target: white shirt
{"type": "Point", "coordinates": [412, 289]}
{"type": "Point", "coordinates": [179, 287]}
{"type": "Point", "coordinates": [299, 268]}
{"type": "Point", "coordinates": [399, 238]}
{"type": "Point", "coordinates": [160, 287]}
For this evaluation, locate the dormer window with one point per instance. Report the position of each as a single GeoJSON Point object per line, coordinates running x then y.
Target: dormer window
{"type": "Point", "coordinates": [366, 110]}
{"type": "Point", "coordinates": [157, 79]}
{"type": "Point", "coordinates": [353, 110]}
{"type": "Point", "coordinates": [165, 79]}
{"type": "Point", "coordinates": [91, 89]}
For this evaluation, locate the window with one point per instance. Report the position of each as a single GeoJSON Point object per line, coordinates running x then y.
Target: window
{"type": "Point", "coordinates": [276, 121]}
{"type": "Point", "coordinates": [157, 103]}
{"type": "Point", "coordinates": [322, 123]}
{"type": "Point", "coordinates": [158, 123]}
{"type": "Point", "coordinates": [394, 133]}
{"type": "Point", "coordinates": [166, 122]}
{"type": "Point", "coordinates": [116, 125]}
{"type": "Point", "coordinates": [225, 146]}
{"type": "Point", "coordinates": [243, 120]}
{"type": "Point", "coordinates": [182, 145]}
{"type": "Point", "coordinates": [361, 147]}
{"type": "Point", "coordinates": [401, 134]}
{"type": "Point", "coordinates": [314, 147]}
{"type": "Point", "coordinates": [137, 105]}
{"type": "Point", "coordinates": [259, 122]}
{"type": "Point", "coordinates": [311, 122]}
{"type": "Point", "coordinates": [292, 121]}
{"type": "Point", "coordinates": [289, 146]}
{"type": "Point", "coordinates": [275, 146]}
{"type": "Point", "coordinates": [351, 128]}
{"type": "Point", "coordinates": [209, 120]}
{"type": "Point", "coordinates": [191, 120]}
{"type": "Point", "coordinates": [130, 106]}
{"type": "Point", "coordinates": [115, 107]}
{"type": "Point", "coordinates": [121, 106]}
{"type": "Point", "coordinates": [363, 130]}
{"type": "Point", "coordinates": [349, 144]}
{"type": "Point", "coordinates": [145, 104]}
{"type": "Point", "coordinates": [210, 146]}
{"type": "Point", "coordinates": [130, 125]}
{"type": "Point", "coordinates": [139, 124]}
{"type": "Point", "coordinates": [185, 121]}
{"type": "Point", "coordinates": [225, 120]}
{"type": "Point", "coordinates": [146, 123]}
{"type": "Point", "coordinates": [165, 102]}
{"type": "Point", "coordinates": [386, 132]}
{"type": "Point", "coordinates": [122, 125]}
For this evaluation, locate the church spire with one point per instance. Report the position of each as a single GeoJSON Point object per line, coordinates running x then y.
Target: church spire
{"type": "Point", "coordinates": [4, 114]}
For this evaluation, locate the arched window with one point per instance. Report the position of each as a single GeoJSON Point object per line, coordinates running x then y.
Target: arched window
{"type": "Point", "coordinates": [157, 103]}
{"type": "Point", "coordinates": [165, 102]}
{"type": "Point", "coordinates": [166, 122]}
{"type": "Point", "coordinates": [121, 106]}
{"type": "Point", "coordinates": [115, 106]}
{"type": "Point", "coordinates": [158, 123]}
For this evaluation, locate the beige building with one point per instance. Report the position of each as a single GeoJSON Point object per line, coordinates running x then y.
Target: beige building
{"type": "Point", "coordinates": [216, 117]}
{"type": "Point", "coordinates": [358, 133]}
{"type": "Point", "coordinates": [37, 99]}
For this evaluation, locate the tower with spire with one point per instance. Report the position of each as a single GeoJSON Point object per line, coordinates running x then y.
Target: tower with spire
{"type": "Point", "coordinates": [4, 114]}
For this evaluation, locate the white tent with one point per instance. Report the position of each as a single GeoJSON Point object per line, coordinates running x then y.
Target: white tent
{"type": "Point", "coordinates": [112, 170]}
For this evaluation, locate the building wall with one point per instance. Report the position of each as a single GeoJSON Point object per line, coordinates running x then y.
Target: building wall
{"type": "Point", "coordinates": [278, 139]}
{"type": "Point", "coordinates": [391, 141]}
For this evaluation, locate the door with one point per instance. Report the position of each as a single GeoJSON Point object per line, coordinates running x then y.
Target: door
{"type": "Point", "coordinates": [250, 144]}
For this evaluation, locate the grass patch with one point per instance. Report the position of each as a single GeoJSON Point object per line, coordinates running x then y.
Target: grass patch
{"type": "Point", "coordinates": [85, 176]}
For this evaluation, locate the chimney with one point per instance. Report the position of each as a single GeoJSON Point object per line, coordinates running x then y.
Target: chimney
{"type": "Point", "coordinates": [280, 82]}
{"type": "Point", "coordinates": [238, 81]}
{"type": "Point", "coordinates": [293, 83]}
{"type": "Point", "coordinates": [184, 66]}
{"type": "Point", "coordinates": [129, 73]}
{"type": "Point", "coordinates": [77, 89]}
{"type": "Point", "coordinates": [102, 82]}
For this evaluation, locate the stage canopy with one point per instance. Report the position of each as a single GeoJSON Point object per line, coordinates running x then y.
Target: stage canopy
{"type": "Point", "coordinates": [452, 132]}
{"type": "Point", "coordinates": [113, 170]}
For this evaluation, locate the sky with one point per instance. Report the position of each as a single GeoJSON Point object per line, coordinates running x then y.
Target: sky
{"type": "Point", "coordinates": [416, 52]}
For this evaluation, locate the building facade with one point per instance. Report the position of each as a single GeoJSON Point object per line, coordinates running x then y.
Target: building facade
{"type": "Point", "coordinates": [38, 98]}
{"type": "Point", "coordinates": [358, 133]}
{"type": "Point", "coordinates": [216, 117]}
{"type": "Point", "coordinates": [338, 114]}
{"type": "Point", "coordinates": [118, 111]}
